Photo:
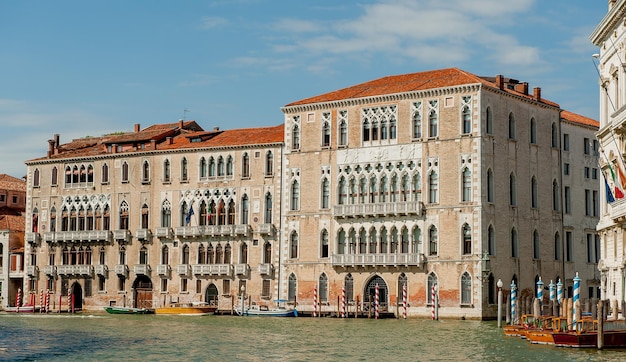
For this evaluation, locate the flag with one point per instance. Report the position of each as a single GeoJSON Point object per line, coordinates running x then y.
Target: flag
{"type": "Point", "coordinates": [618, 192]}
{"type": "Point", "coordinates": [622, 177]}
{"type": "Point", "coordinates": [609, 194]}
{"type": "Point", "coordinates": [188, 217]}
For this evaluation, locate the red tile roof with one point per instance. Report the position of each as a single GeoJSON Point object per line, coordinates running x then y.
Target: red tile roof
{"type": "Point", "coordinates": [11, 183]}
{"type": "Point", "coordinates": [409, 83]}
{"type": "Point", "coordinates": [577, 118]}
{"type": "Point", "coordinates": [12, 222]}
{"type": "Point", "coordinates": [229, 138]}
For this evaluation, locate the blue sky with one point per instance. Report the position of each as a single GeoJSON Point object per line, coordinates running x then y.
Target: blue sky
{"type": "Point", "coordinates": [87, 68]}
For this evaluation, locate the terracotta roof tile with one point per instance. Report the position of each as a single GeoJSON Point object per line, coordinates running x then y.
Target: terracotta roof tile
{"type": "Point", "coordinates": [577, 118]}
{"type": "Point", "coordinates": [229, 138]}
{"type": "Point", "coordinates": [12, 222]}
{"type": "Point", "coordinates": [409, 83]}
{"type": "Point", "coordinates": [11, 183]}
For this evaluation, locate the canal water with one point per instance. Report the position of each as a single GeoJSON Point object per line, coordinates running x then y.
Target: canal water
{"type": "Point", "coordinates": [102, 337]}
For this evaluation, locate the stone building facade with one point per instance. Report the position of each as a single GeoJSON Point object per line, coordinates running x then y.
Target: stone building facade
{"type": "Point", "coordinates": [610, 37]}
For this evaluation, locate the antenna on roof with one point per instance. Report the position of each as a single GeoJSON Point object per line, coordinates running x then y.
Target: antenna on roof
{"type": "Point", "coordinates": [185, 114]}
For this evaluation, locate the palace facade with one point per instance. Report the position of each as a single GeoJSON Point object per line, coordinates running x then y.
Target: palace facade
{"type": "Point", "coordinates": [439, 178]}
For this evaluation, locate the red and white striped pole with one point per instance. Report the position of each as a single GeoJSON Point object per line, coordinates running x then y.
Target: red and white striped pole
{"type": "Point", "coordinates": [404, 300]}
{"type": "Point", "coordinates": [41, 308]}
{"type": "Point", "coordinates": [18, 299]}
{"type": "Point", "coordinates": [432, 309]}
{"type": "Point", "coordinates": [48, 301]}
{"type": "Point", "coordinates": [69, 300]}
{"type": "Point", "coordinates": [376, 301]}
{"type": "Point", "coordinates": [343, 302]}
{"type": "Point", "coordinates": [314, 301]}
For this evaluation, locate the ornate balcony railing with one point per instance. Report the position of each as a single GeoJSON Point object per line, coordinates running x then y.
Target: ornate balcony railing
{"type": "Point", "coordinates": [266, 269]}
{"type": "Point", "coordinates": [242, 269]}
{"type": "Point", "coordinates": [143, 234]}
{"type": "Point", "coordinates": [164, 270]}
{"type": "Point", "coordinates": [32, 238]}
{"type": "Point", "coordinates": [32, 270]}
{"type": "Point", "coordinates": [101, 269]}
{"type": "Point", "coordinates": [363, 260]}
{"type": "Point", "coordinates": [121, 235]}
{"type": "Point", "coordinates": [379, 209]}
{"type": "Point", "coordinates": [142, 269]}
{"type": "Point", "coordinates": [49, 270]}
{"type": "Point", "coordinates": [187, 231]}
{"type": "Point", "coordinates": [212, 269]}
{"type": "Point", "coordinates": [121, 270]}
{"type": "Point", "coordinates": [182, 269]}
{"type": "Point", "coordinates": [266, 229]}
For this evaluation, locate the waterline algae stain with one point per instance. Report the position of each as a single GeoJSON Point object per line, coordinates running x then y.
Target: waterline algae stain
{"type": "Point", "coordinates": [214, 338]}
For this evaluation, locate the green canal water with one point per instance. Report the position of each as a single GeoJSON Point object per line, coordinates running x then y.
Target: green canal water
{"type": "Point", "coordinates": [103, 337]}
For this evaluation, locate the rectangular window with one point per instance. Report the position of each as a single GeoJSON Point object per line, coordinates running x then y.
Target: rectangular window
{"type": "Point", "coordinates": [265, 290]}
{"type": "Point", "coordinates": [594, 201]}
{"type": "Point", "coordinates": [587, 172]}
{"type": "Point", "coordinates": [590, 248]}
{"type": "Point", "coordinates": [588, 208]}
{"type": "Point", "coordinates": [164, 285]}
{"type": "Point", "coordinates": [568, 246]}
{"type": "Point", "coordinates": [587, 146]}
{"type": "Point", "coordinates": [183, 285]}
{"type": "Point", "coordinates": [566, 142]}
{"type": "Point", "coordinates": [594, 173]}
{"type": "Point", "coordinates": [566, 169]}
{"type": "Point", "coordinates": [198, 286]}
{"type": "Point", "coordinates": [226, 287]}
{"type": "Point", "coordinates": [568, 201]}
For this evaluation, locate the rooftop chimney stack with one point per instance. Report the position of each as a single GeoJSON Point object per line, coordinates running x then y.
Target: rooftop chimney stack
{"type": "Point", "coordinates": [137, 127]}
{"type": "Point", "coordinates": [537, 94]}
{"type": "Point", "coordinates": [500, 81]}
{"type": "Point", "coordinates": [50, 148]}
{"type": "Point", "coordinates": [181, 123]}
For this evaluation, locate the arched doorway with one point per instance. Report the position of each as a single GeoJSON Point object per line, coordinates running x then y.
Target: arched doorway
{"type": "Point", "coordinates": [142, 292]}
{"type": "Point", "coordinates": [370, 292]}
{"type": "Point", "coordinates": [211, 294]}
{"type": "Point", "coordinates": [77, 292]}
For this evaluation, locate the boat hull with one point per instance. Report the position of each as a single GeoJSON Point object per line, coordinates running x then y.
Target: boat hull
{"type": "Point", "coordinates": [186, 310]}
{"type": "Point", "coordinates": [22, 309]}
{"type": "Point", "coordinates": [576, 339]}
{"type": "Point", "coordinates": [269, 313]}
{"type": "Point", "coordinates": [128, 310]}
{"type": "Point", "coordinates": [540, 337]}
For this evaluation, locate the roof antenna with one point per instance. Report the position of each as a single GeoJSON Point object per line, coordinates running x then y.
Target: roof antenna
{"type": "Point", "coordinates": [185, 114]}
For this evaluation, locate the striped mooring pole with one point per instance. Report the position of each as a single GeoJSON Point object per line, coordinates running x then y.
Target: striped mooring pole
{"type": "Point", "coordinates": [513, 302]}
{"type": "Point", "coordinates": [576, 298]}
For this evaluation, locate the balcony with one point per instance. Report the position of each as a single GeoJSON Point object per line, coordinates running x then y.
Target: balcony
{"type": "Point", "coordinates": [65, 269]}
{"type": "Point", "coordinates": [50, 270]}
{"type": "Point", "coordinates": [187, 231]}
{"type": "Point", "coordinates": [49, 237]}
{"type": "Point", "coordinates": [266, 229]}
{"type": "Point", "coordinates": [379, 209]}
{"type": "Point", "coordinates": [122, 270]}
{"type": "Point", "coordinates": [266, 269]}
{"type": "Point", "coordinates": [101, 269]}
{"type": "Point", "coordinates": [243, 229]}
{"type": "Point", "coordinates": [164, 270]}
{"type": "Point", "coordinates": [32, 271]}
{"type": "Point", "coordinates": [182, 269]}
{"type": "Point", "coordinates": [226, 230]}
{"type": "Point", "coordinates": [32, 238]}
{"type": "Point", "coordinates": [99, 235]}
{"type": "Point", "coordinates": [212, 269]}
{"type": "Point", "coordinates": [121, 236]}
{"type": "Point", "coordinates": [85, 270]}
{"type": "Point", "coordinates": [618, 211]}
{"type": "Point", "coordinates": [71, 236]}
{"type": "Point", "coordinates": [242, 269]}
{"type": "Point", "coordinates": [142, 269]}
{"type": "Point", "coordinates": [143, 234]}
{"type": "Point", "coordinates": [375, 260]}
{"type": "Point", "coordinates": [164, 232]}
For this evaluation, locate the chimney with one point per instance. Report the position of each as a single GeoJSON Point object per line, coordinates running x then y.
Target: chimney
{"type": "Point", "coordinates": [153, 144]}
{"type": "Point", "coordinates": [537, 94]}
{"type": "Point", "coordinates": [522, 87]}
{"type": "Point", "coordinates": [137, 127]}
{"type": "Point", "coordinates": [215, 129]}
{"type": "Point", "coordinates": [56, 141]}
{"type": "Point", "coordinates": [180, 123]}
{"type": "Point", "coordinates": [500, 81]}
{"type": "Point", "coordinates": [169, 140]}
{"type": "Point", "coordinates": [114, 148]}
{"type": "Point", "coordinates": [50, 148]}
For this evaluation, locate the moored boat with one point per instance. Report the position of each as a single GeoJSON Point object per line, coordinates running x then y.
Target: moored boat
{"type": "Point", "coordinates": [23, 309]}
{"type": "Point", "coordinates": [584, 335]}
{"type": "Point", "coordinates": [265, 311]}
{"type": "Point", "coordinates": [519, 330]}
{"type": "Point", "coordinates": [128, 310]}
{"type": "Point", "coordinates": [191, 309]}
{"type": "Point", "coordinates": [543, 334]}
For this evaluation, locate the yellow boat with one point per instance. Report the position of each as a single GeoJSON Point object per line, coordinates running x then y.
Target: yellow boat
{"type": "Point", "coordinates": [191, 309]}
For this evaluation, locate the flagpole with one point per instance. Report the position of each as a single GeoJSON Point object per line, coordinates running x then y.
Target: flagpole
{"type": "Point", "coordinates": [616, 185]}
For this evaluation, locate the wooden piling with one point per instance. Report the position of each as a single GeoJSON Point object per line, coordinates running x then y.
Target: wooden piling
{"type": "Point", "coordinates": [600, 325]}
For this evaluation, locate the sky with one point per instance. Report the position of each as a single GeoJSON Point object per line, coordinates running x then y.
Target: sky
{"type": "Point", "coordinates": [89, 68]}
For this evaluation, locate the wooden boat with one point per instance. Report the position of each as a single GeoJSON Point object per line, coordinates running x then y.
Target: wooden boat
{"type": "Point", "coordinates": [191, 309]}
{"type": "Point", "coordinates": [128, 310]}
{"type": "Point", "coordinates": [265, 311]}
{"type": "Point", "coordinates": [543, 334]}
{"type": "Point", "coordinates": [519, 330]}
{"type": "Point", "coordinates": [585, 335]}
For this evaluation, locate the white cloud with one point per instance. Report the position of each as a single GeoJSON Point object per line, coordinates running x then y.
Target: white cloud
{"type": "Point", "coordinates": [209, 22]}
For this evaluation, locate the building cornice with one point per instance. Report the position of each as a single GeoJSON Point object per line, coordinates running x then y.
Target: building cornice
{"type": "Point", "coordinates": [609, 22]}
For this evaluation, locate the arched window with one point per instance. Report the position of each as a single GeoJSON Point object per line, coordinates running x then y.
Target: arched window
{"type": "Point", "coordinates": [384, 134]}
{"type": "Point", "coordinates": [295, 137]}
{"type": "Point", "coordinates": [467, 240]}
{"type": "Point", "coordinates": [433, 187]}
{"type": "Point", "coordinates": [124, 171]}
{"type": "Point", "coordinates": [366, 131]}
{"type": "Point", "coordinates": [201, 254]}
{"type": "Point", "coordinates": [324, 244]}
{"type": "Point", "coordinates": [536, 246]}
{"type": "Point", "coordinates": [204, 169]}
{"type": "Point", "coordinates": [165, 255]}
{"type": "Point", "coordinates": [267, 253]}
{"type": "Point", "coordinates": [432, 241]}
{"type": "Point", "coordinates": [349, 287]}
{"type": "Point", "coordinates": [245, 209]}
{"type": "Point", "coordinates": [342, 190]}
{"type": "Point", "coordinates": [491, 240]}
{"type": "Point", "coordinates": [54, 177]}
{"type": "Point", "coordinates": [185, 255]}
{"type": "Point", "coordinates": [512, 190]}
{"type": "Point", "coordinates": [229, 166]}
{"type": "Point", "coordinates": [53, 219]}
{"type": "Point", "coordinates": [417, 120]}
{"type": "Point", "coordinates": [293, 245]}
{"type": "Point", "coordinates": [466, 117]}
{"type": "Point", "coordinates": [245, 165]}
{"type": "Point", "coordinates": [432, 281]}
{"type": "Point", "coordinates": [534, 197]}
{"type": "Point", "coordinates": [343, 133]}
{"type": "Point", "coordinates": [231, 212]}
{"type": "Point", "coordinates": [417, 240]}
{"type": "Point", "coordinates": [362, 242]}
{"type": "Point", "coordinates": [373, 242]}
{"type": "Point", "coordinates": [143, 255]}
{"type": "Point", "coordinates": [384, 244]}
{"type": "Point", "coordinates": [514, 249]}
{"type": "Point", "coordinates": [384, 189]}
{"type": "Point", "coordinates": [466, 288]}
{"type": "Point", "coordinates": [557, 246]}
{"type": "Point", "coordinates": [124, 216]}
{"type": "Point", "coordinates": [374, 132]}
{"type": "Point", "coordinates": [404, 240]}
{"type": "Point", "coordinates": [184, 174]}
{"type": "Point", "coordinates": [145, 216]}
{"type": "Point", "coordinates": [511, 126]}
{"type": "Point", "coordinates": [105, 173]}
{"type": "Point", "coordinates": [295, 195]}
{"type": "Point", "coordinates": [220, 166]}
{"type": "Point", "coordinates": [166, 214]}
{"type": "Point", "coordinates": [490, 186]}
{"type": "Point", "coordinates": [167, 171]}
{"type": "Point", "coordinates": [325, 194]}
{"type": "Point", "coordinates": [323, 288]}
{"type": "Point", "coordinates": [393, 128]}
{"type": "Point", "coordinates": [145, 172]}
{"type": "Point", "coordinates": [326, 134]}
{"type": "Point", "coordinates": [269, 164]}
{"type": "Point", "coordinates": [243, 253]}
{"type": "Point", "coordinates": [268, 208]}
{"type": "Point", "coordinates": [555, 135]}
{"type": "Point", "coordinates": [36, 178]}
{"type": "Point", "coordinates": [533, 131]}
{"type": "Point", "coordinates": [467, 185]}
{"type": "Point", "coordinates": [433, 124]}
{"type": "Point", "coordinates": [292, 288]}
{"type": "Point", "coordinates": [341, 242]}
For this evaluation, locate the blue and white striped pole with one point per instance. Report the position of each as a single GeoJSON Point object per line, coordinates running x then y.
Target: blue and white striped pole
{"type": "Point", "coordinates": [559, 292]}
{"type": "Point", "coordinates": [575, 299]}
{"type": "Point", "coordinates": [513, 302]}
{"type": "Point", "coordinates": [540, 292]}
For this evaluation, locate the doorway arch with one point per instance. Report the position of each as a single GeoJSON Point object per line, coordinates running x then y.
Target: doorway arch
{"type": "Point", "coordinates": [211, 294]}
{"type": "Point", "coordinates": [77, 292]}
{"type": "Point", "coordinates": [142, 292]}
{"type": "Point", "coordinates": [370, 292]}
